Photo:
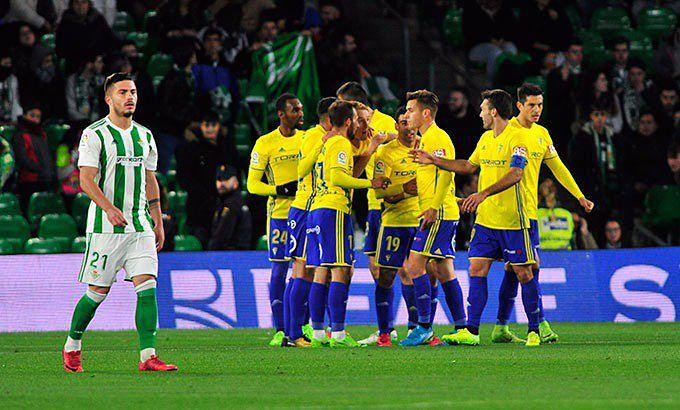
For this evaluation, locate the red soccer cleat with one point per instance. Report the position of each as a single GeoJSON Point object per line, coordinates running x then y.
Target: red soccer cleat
{"type": "Point", "coordinates": [385, 340]}
{"type": "Point", "coordinates": [72, 362]}
{"type": "Point", "coordinates": [434, 341]}
{"type": "Point", "coordinates": [154, 364]}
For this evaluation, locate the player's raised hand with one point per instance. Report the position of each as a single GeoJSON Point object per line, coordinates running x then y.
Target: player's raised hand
{"type": "Point", "coordinates": [471, 203]}
{"type": "Point", "coordinates": [411, 187]}
{"type": "Point", "coordinates": [586, 204]}
{"type": "Point", "coordinates": [115, 216]}
{"type": "Point", "coordinates": [427, 218]}
{"type": "Point", "coordinates": [380, 182]}
{"type": "Point", "coordinates": [421, 157]}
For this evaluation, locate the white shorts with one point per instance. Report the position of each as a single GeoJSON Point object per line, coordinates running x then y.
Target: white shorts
{"type": "Point", "coordinates": [107, 253]}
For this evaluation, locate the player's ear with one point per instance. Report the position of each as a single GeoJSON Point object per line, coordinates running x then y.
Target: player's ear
{"type": "Point", "coordinates": [519, 105]}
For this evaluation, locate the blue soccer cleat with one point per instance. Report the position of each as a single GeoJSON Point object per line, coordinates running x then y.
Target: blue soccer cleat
{"type": "Point", "coordinates": [419, 336]}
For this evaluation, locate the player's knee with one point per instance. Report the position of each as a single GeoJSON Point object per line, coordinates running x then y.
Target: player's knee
{"type": "Point", "coordinates": [523, 273]}
{"type": "Point", "coordinates": [478, 271]}
{"type": "Point", "coordinates": [404, 276]}
{"type": "Point", "coordinates": [99, 289]}
{"type": "Point", "coordinates": [386, 278]}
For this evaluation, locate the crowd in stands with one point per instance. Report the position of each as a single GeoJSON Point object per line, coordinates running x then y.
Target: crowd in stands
{"type": "Point", "coordinates": [612, 100]}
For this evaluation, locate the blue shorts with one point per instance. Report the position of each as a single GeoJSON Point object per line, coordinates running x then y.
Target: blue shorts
{"type": "Point", "coordinates": [296, 247]}
{"type": "Point", "coordinates": [394, 244]}
{"type": "Point", "coordinates": [510, 245]}
{"type": "Point", "coordinates": [330, 238]}
{"type": "Point", "coordinates": [277, 237]}
{"type": "Point", "coordinates": [372, 230]}
{"type": "Point", "coordinates": [437, 241]}
{"type": "Point", "coordinates": [533, 234]}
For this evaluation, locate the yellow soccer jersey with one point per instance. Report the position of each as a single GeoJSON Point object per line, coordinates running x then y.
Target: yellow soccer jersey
{"type": "Point", "coordinates": [311, 145]}
{"type": "Point", "coordinates": [540, 147]}
{"type": "Point", "coordinates": [392, 161]}
{"type": "Point", "coordinates": [437, 142]}
{"type": "Point", "coordinates": [380, 122]}
{"type": "Point", "coordinates": [335, 153]}
{"type": "Point", "coordinates": [493, 155]}
{"type": "Point", "coordinates": [277, 157]}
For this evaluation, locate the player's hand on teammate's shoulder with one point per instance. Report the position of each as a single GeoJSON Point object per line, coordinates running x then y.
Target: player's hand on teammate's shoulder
{"type": "Point", "coordinates": [421, 157]}
{"type": "Point", "coordinates": [411, 187]}
{"type": "Point", "coordinates": [586, 204]}
{"type": "Point", "coordinates": [471, 203]}
{"type": "Point", "coordinates": [115, 216]}
{"type": "Point", "coordinates": [380, 183]}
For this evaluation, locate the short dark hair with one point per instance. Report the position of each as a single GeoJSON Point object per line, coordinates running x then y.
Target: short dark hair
{"type": "Point", "coordinates": [667, 85]}
{"type": "Point", "coordinates": [212, 31]}
{"type": "Point", "coordinates": [426, 99]}
{"type": "Point", "coordinates": [115, 78]}
{"type": "Point", "coordinates": [620, 40]}
{"type": "Point", "coordinates": [353, 91]}
{"type": "Point", "coordinates": [638, 63]}
{"type": "Point", "coordinates": [575, 41]}
{"type": "Point", "coordinates": [323, 105]}
{"type": "Point", "coordinates": [128, 42]}
{"type": "Point", "coordinates": [210, 116]}
{"type": "Point", "coordinates": [647, 111]}
{"type": "Point", "coordinates": [673, 149]}
{"type": "Point", "coordinates": [500, 100]}
{"type": "Point", "coordinates": [400, 111]}
{"type": "Point", "coordinates": [600, 104]}
{"type": "Point", "coordinates": [283, 99]}
{"type": "Point", "coordinates": [340, 111]}
{"type": "Point", "coordinates": [527, 89]}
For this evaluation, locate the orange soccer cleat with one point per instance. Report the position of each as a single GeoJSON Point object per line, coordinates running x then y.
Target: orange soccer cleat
{"type": "Point", "coordinates": [154, 364]}
{"type": "Point", "coordinates": [72, 362]}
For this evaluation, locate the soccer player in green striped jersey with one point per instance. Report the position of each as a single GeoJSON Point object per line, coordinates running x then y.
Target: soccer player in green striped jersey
{"type": "Point", "coordinates": [117, 160]}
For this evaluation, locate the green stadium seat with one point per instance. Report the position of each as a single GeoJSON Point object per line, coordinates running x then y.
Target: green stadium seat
{"type": "Point", "coordinates": [43, 246]}
{"type": "Point", "coordinates": [55, 134]}
{"type": "Point", "coordinates": [43, 203]}
{"type": "Point", "coordinates": [262, 243]}
{"type": "Point", "coordinates": [661, 206]}
{"type": "Point", "coordinates": [79, 208]}
{"type": "Point", "coordinates": [610, 21]}
{"type": "Point", "coordinates": [453, 27]}
{"type": "Point", "coordinates": [656, 22]}
{"type": "Point", "coordinates": [574, 18]}
{"type": "Point", "coordinates": [6, 247]}
{"type": "Point", "coordinates": [594, 50]}
{"type": "Point", "coordinates": [182, 227]}
{"type": "Point", "coordinates": [509, 69]}
{"type": "Point", "coordinates": [148, 17]}
{"type": "Point", "coordinates": [536, 80]}
{"type": "Point", "coordinates": [7, 132]}
{"type": "Point", "coordinates": [640, 45]}
{"type": "Point", "coordinates": [9, 204]}
{"type": "Point", "coordinates": [243, 86]}
{"type": "Point", "coordinates": [141, 39]}
{"type": "Point", "coordinates": [173, 163]}
{"type": "Point", "coordinates": [159, 65]}
{"type": "Point", "coordinates": [79, 244]}
{"type": "Point", "coordinates": [47, 40]}
{"type": "Point", "coordinates": [15, 230]}
{"type": "Point", "coordinates": [187, 243]}
{"type": "Point", "coordinates": [243, 150]}
{"type": "Point", "coordinates": [162, 179]}
{"type": "Point", "coordinates": [60, 227]}
{"type": "Point", "coordinates": [242, 134]}
{"type": "Point", "coordinates": [389, 107]}
{"type": "Point", "coordinates": [171, 178]}
{"type": "Point", "coordinates": [123, 23]}
{"type": "Point", "coordinates": [177, 202]}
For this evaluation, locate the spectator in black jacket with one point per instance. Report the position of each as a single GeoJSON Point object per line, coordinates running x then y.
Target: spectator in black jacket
{"type": "Point", "coordinates": [45, 84]}
{"type": "Point", "coordinates": [176, 105]}
{"type": "Point", "coordinates": [32, 155]}
{"type": "Point", "coordinates": [146, 104]}
{"type": "Point", "coordinates": [180, 20]}
{"type": "Point", "coordinates": [83, 31]}
{"type": "Point", "coordinates": [545, 26]}
{"type": "Point", "coordinates": [231, 223]}
{"type": "Point", "coordinates": [197, 163]}
{"type": "Point", "coordinates": [461, 121]}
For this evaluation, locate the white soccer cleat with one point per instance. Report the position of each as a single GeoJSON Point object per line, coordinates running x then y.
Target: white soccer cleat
{"type": "Point", "coordinates": [372, 339]}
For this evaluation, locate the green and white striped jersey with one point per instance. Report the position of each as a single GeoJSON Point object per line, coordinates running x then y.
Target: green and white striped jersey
{"type": "Point", "coordinates": [122, 156]}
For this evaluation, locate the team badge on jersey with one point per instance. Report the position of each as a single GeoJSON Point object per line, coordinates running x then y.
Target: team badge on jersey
{"type": "Point", "coordinates": [439, 152]}
{"type": "Point", "coordinates": [342, 158]}
{"type": "Point", "coordinates": [255, 158]}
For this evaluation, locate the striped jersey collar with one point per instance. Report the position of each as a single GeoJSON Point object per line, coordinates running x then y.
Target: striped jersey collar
{"type": "Point", "coordinates": [109, 122]}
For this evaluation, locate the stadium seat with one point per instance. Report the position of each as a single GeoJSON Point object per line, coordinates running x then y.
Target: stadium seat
{"type": "Point", "coordinates": [177, 201]}
{"type": "Point", "coordinates": [43, 203]}
{"type": "Point", "coordinates": [79, 208]}
{"type": "Point", "coordinates": [9, 204]}
{"type": "Point", "coordinates": [55, 134]}
{"type": "Point", "coordinates": [510, 69]}
{"type": "Point", "coordinates": [42, 246]}
{"type": "Point", "coordinates": [187, 243]}
{"type": "Point", "coordinates": [453, 27]}
{"type": "Point", "coordinates": [15, 230]}
{"type": "Point", "coordinates": [141, 39]}
{"type": "Point", "coordinates": [148, 17]}
{"type": "Point", "coordinates": [173, 163]}
{"type": "Point", "coordinates": [609, 21]}
{"type": "Point", "coordinates": [182, 227]}
{"type": "Point", "coordinates": [262, 243]}
{"type": "Point", "coordinates": [171, 179]}
{"type": "Point", "coordinates": [242, 134]}
{"type": "Point", "coordinates": [536, 80]}
{"type": "Point", "coordinates": [593, 47]}
{"type": "Point", "coordinates": [7, 132]}
{"type": "Point", "coordinates": [162, 179]}
{"type": "Point", "coordinates": [656, 22]}
{"type": "Point", "coordinates": [6, 247]}
{"type": "Point", "coordinates": [123, 23]}
{"type": "Point", "coordinates": [79, 244]}
{"type": "Point", "coordinates": [243, 151]}
{"type": "Point", "coordinates": [661, 206]}
{"type": "Point", "coordinates": [60, 227]}
{"type": "Point", "coordinates": [574, 18]}
{"type": "Point", "coordinates": [159, 65]}
{"type": "Point", "coordinates": [640, 45]}
{"type": "Point", "coordinates": [47, 41]}
{"type": "Point", "coordinates": [389, 107]}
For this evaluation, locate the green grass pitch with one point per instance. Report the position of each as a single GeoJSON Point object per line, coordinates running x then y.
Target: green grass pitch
{"type": "Point", "coordinates": [595, 365]}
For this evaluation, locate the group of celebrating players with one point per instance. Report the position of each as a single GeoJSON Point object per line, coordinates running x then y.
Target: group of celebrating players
{"type": "Point", "coordinates": [413, 213]}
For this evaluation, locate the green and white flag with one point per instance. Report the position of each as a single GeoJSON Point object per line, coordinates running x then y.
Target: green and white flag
{"type": "Point", "coordinates": [286, 65]}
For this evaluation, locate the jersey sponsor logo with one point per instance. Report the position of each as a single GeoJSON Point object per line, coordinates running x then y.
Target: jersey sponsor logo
{"type": "Point", "coordinates": [493, 162]}
{"type": "Point", "coordinates": [292, 223]}
{"type": "Point", "coordinates": [255, 158]}
{"type": "Point", "coordinates": [316, 230]}
{"type": "Point", "coordinates": [520, 151]}
{"type": "Point", "coordinates": [285, 157]}
{"type": "Point", "coordinates": [439, 152]}
{"type": "Point", "coordinates": [129, 161]}
{"type": "Point", "coordinates": [282, 149]}
{"type": "Point", "coordinates": [84, 138]}
{"type": "Point", "coordinates": [404, 173]}
{"type": "Point", "coordinates": [551, 149]}
{"type": "Point", "coordinates": [379, 166]}
{"type": "Point", "coordinates": [342, 158]}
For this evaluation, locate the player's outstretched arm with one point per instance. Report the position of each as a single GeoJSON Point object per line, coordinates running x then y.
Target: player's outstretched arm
{"type": "Point", "coordinates": [340, 177]}
{"type": "Point", "coordinates": [513, 176]}
{"type": "Point", "coordinates": [91, 188]}
{"type": "Point", "coordinates": [307, 161]}
{"type": "Point", "coordinates": [459, 166]}
{"type": "Point", "coordinates": [153, 196]}
{"type": "Point", "coordinates": [564, 177]}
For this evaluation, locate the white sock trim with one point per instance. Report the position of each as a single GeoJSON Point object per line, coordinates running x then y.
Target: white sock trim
{"type": "Point", "coordinates": [319, 334]}
{"type": "Point", "coordinates": [338, 335]}
{"type": "Point", "coordinates": [97, 297]}
{"type": "Point", "coordinates": [149, 284]}
{"type": "Point", "coordinates": [145, 354]}
{"type": "Point", "coordinates": [72, 345]}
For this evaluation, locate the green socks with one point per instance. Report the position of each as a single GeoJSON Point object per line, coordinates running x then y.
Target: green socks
{"type": "Point", "coordinates": [84, 313]}
{"type": "Point", "coordinates": [146, 316]}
